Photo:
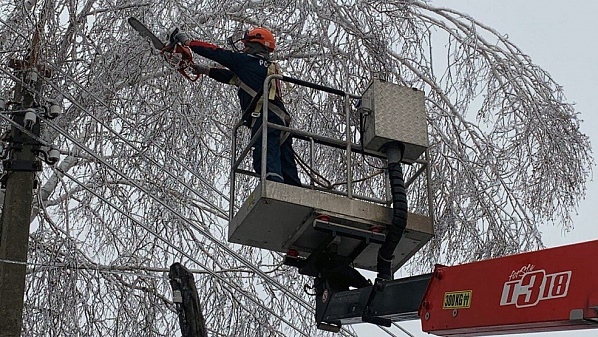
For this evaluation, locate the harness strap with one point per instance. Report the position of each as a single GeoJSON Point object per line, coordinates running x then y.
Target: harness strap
{"type": "Point", "coordinates": [273, 92]}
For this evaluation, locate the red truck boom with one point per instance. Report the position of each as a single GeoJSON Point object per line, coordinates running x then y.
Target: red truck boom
{"type": "Point", "coordinates": [545, 290]}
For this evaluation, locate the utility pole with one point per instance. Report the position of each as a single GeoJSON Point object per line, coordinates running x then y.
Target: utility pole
{"type": "Point", "coordinates": [19, 181]}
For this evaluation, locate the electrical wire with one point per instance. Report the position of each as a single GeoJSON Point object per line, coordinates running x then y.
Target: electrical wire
{"type": "Point", "coordinates": [97, 99]}
{"type": "Point", "coordinates": [107, 268]}
{"type": "Point", "coordinates": [212, 273]}
{"type": "Point", "coordinates": [221, 213]}
{"type": "Point", "coordinates": [181, 217]}
{"type": "Point", "coordinates": [182, 252]}
{"type": "Point", "coordinates": [208, 235]}
{"type": "Point", "coordinates": [121, 270]}
{"type": "Point", "coordinates": [205, 233]}
{"type": "Point", "coordinates": [403, 329]}
{"type": "Point", "coordinates": [161, 202]}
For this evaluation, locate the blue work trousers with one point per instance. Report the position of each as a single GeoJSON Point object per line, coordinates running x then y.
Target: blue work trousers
{"type": "Point", "coordinates": [281, 165]}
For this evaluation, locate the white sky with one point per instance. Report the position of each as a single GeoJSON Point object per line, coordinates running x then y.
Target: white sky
{"type": "Point", "coordinates": [560, 37]}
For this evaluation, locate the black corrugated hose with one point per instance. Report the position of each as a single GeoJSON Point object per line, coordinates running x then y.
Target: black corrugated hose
{"type": "Point", "coordinates": [399, 217]}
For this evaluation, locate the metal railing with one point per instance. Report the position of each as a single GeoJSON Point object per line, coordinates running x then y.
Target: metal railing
{"type": "Point", "coordinates": [312, 138]}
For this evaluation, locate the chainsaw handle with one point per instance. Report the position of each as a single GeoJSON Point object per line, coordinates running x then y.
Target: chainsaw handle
{"type": "Point", "coordinates": [169, 48]}
{"type": "Point", "coordinates": [186, 61]}
{"type": "Point", "coordinates": [194, 76]}
{"type": "Point", "coordinates": [185, 51]}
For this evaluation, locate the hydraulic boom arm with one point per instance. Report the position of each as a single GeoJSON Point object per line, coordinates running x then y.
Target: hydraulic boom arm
{"type": "Point", "coordinates": [546, 290]}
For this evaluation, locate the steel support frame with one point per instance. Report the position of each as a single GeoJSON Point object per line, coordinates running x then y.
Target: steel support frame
{"type": "Point", "coordinates": [381, 303]}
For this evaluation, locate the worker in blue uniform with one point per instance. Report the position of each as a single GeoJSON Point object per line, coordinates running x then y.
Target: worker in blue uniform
{"type": "Point", "coordinates": [247, 69]}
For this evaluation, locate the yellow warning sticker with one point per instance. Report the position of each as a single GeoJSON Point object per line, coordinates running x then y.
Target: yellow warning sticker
{"type": "Point", "coordinates": [457, 299]}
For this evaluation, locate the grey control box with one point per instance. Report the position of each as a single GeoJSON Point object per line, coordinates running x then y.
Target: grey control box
{"type": "Point", "coordinates": [395, 113]}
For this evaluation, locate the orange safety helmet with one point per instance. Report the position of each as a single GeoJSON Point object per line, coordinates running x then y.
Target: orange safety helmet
{"type": "Point", "coordinates": [260, 35]}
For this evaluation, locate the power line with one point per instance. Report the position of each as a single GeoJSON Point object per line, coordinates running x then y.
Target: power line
{"type": "Point", "coordinates": [108, 268]}
{"type": "Point", "coordinates": [132, 126]}
{"type": "Point", "coordinates": [388, 332]}
{"type": "Point", "coordinates": [124, 270]}
{"type": "Point", "coordinates": [402, 329]}
{"type": "Point", "coordinates": [212, 273]}
{"type": "Point", "coordinates": [91, 94]}
{"type": "Point", "coordinates": [220, 212]}
{"type": "Point", "coordinates": [208, 235]}
{"type": "Point", "coordinates": [167, 242]}
{"type": "Point", "coordinates": [138, 186]}
{"type": "Point", "coordinates": [181, 217]}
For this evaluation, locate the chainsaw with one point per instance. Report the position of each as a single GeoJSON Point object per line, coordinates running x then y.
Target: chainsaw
{"type": "Point", "coordinates": [185, 64]}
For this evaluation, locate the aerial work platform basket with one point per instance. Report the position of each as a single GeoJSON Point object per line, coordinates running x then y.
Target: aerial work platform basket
{"type": "Point", "coordinates": [547, 290]}
{"type": "Point", "coordinates": [302, 220]}
{"type": "Point", "coordinates": [287, 218]}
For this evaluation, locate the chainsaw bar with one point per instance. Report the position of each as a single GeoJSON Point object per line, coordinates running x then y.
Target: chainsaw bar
{"type": "Point", "coordinates": [185, 64]}
{"type": "Point", "coordinates": [145, 32]}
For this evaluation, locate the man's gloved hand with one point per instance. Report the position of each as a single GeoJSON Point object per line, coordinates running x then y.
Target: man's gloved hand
{"type": "Point", "coordinates": [201, 69]}
{"type": "Point", "coordinates": [179, 37]}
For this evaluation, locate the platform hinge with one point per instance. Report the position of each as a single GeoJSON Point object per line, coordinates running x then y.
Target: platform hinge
{"type": "Point", "coordinates": [370, 315]}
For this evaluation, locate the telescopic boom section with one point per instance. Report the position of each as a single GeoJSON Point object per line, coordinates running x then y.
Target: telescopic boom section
{"type": "Point", "coordinates": [546, 290]}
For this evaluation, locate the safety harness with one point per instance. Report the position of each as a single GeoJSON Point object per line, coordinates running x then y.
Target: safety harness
{"type": "Point", "coordinates": [254, 110]}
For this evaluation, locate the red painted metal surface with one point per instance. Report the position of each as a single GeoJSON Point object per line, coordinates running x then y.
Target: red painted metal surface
{"type": "Point", "coordinates": [546, 290]}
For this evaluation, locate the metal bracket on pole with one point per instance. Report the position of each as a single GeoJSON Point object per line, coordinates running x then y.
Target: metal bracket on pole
{"type": "Point", "coordinates": [22, 165]}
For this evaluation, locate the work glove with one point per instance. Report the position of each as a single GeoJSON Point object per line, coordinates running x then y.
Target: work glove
{"type": "Point", "coordinates": [179, 37]}
{"type": "Point", "coordinates": [201, 69]}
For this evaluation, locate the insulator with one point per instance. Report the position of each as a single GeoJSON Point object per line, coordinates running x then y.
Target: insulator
{"type": "Point", "coordinates": [30, 118]}
{"type": "Point", "coordinates": [55, 111]}
{"type": "Point", "coordinates": [32, 75]}
{"type": "Point", "coordinates": [53, 155]}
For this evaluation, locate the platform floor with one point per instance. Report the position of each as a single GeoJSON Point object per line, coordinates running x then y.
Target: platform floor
{"type": "Point", "coordinates": [281, 217]}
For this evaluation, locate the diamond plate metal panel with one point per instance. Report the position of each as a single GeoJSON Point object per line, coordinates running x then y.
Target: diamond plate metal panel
{"type": "Point", "coordinates": [395, 113]}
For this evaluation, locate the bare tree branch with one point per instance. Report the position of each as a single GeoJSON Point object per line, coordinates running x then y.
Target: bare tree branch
{"type": "Point", "coordinates": [146, 181]}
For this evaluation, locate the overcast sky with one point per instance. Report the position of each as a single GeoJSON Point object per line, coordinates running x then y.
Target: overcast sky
{"type": "Point", "coordinates": [560, 37]}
